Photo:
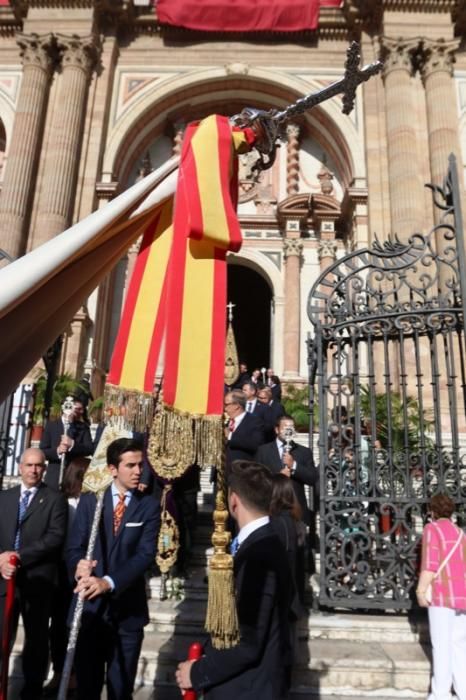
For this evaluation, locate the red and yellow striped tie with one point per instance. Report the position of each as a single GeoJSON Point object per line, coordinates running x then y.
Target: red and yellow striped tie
{"type": "Point", "coordinates": [119, 512]}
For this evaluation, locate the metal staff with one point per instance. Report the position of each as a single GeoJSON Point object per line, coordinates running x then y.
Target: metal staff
{"type": "Point", "coordinates": [78, 611]}
{"type": "Point", "coordinates": [288, 437]}
{"type": "Point", "coordinates": [6, 631]}
{"type": "Point", "coordinates": [67, 410]}
{"type": "Point", "coordinates": [268, 125]}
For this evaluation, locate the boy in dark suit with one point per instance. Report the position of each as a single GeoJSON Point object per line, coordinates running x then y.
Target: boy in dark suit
{"type": "Point", "coordinates": [259, 666]}
{"type": "Point", "coordinates": [113, 584]}
{"type": "Point", "coordinates": [32, 526]}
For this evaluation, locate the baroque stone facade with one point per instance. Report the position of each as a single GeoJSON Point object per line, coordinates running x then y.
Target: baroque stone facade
{"type": "Point", "coordinates": [95, 94]}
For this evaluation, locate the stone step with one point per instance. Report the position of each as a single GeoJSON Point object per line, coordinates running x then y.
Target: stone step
{"type": "Point", "coordinates": [331, 666]}
{"type": "Point", "coordinates": [187, 615]}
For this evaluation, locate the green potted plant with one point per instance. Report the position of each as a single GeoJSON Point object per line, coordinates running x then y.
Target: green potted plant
{"type": "Point", "coordinates": [296, 404]}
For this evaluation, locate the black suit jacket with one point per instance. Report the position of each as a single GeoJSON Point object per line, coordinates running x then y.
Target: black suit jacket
{"type": "Point", "coordinates": [258, 667]}
{"type": "Point", "coordinates": [43, 533]}
{"type": "Point", "coordinates": [245, 439]}
{"type": "Point", "coordinates": [305, 473]}
{"type": "Point", "coordinates": [78, 431]}
{"type": "Point", "coordinates": [124, 557]}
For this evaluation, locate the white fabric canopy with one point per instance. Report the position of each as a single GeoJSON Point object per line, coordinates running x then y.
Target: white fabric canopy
{"type": "Point", "coordinates": [40, 292]}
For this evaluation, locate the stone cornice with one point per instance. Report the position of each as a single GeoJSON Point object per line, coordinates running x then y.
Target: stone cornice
{"type": "Point", "coordinates": [63, 4]}
{"type": "Point", "coordinates": [107, 190]}
{"type": "Point", "coordinates": [422, 5]}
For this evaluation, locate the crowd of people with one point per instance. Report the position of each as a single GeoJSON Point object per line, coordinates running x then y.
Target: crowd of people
{"type": "Point", "coordinates": [47, 527]}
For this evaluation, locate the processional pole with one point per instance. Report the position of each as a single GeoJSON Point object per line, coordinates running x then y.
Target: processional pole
{"type": "Point", "coordinates": [6, 631]}
{"type": "Point", "coordinates": [78, 611]}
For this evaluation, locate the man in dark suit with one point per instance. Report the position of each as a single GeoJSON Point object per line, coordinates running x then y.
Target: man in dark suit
{"type": "Point", "coordinates": [113, 585]}
{"type": "Point", "coordinates": [276, 410]}
{"type": "Point", "coordinates": [296, 462]}
{"type": "Point", "coordinates": [286, 457]}
{"type": "Point", "coordinates": [244, 432]}
{"type": "Point", "coordinates": [259, 665]}
{"type": "Point", "coordinates": [32, 525]}
{"type": "Point", "coordinates": [57, 441]}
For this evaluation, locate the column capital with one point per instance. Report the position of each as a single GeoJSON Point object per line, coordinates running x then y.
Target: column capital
{"type": "Point", "coordinates": [77, 51]}
{"type": "Point", "coordinates": [292, 247]}
{"type": "Point", "coordinates": [293, 131]}
{"type": "Point", "coordinates": [438, 56]}
{"type": "Point", "coordinates": [37, 50]}
{"type": "Point", "coordinates": [327, 249]}
{"type": "Point", "coordinates": [398, 53]}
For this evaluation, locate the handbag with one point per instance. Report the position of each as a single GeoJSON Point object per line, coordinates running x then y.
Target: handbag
{"type": "Point", "coordinates": [429, 590]}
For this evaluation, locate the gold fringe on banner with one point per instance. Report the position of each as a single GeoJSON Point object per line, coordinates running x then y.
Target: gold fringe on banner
{"type": "Point", "coordinates": [177, 440]}
{"type": "Point", "coordinates": [128, 409]}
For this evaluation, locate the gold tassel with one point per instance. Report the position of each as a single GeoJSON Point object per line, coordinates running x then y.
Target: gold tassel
{"type": "Point", "coordinates": [169, 536]}
{"type": "Point", "coordinates": [222, 618]}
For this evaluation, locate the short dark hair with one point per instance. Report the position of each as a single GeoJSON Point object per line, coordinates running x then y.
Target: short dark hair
{"type": "Point", "coordinates": [284, 417]}
{"type": "Point", "coordinates": [442, 506]}
{"type": "Point", "coordinates": [120, 446]}
{"type": "Point", "coordinates": [253, 483]}
{"type": "Point", "coordinates": [250, 384]}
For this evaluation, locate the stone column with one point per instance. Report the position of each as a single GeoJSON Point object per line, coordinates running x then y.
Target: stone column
{"type": "Point", "coordinates": [292, 159]}
{"type": "Point", "coordinates": [24, 150]}
{"type": "Point", "coordinates": [406, 187]}
{"type": "Point", "coordinates": [292, 250]}
{"type": "Point", "coordinates": [62, 159]}
{"type": "Point", "coordinates": [442, 122]}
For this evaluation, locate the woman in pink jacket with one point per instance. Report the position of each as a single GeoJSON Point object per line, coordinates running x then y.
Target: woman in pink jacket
{"type": "Point", "coordinates": [442, 588]}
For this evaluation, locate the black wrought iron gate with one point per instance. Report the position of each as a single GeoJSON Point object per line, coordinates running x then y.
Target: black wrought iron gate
{"type": "Point", "coordinates": [388, 400]}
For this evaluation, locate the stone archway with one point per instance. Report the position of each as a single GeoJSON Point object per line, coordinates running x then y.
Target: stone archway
{"type": "Point", "coordinates": [252, 315]}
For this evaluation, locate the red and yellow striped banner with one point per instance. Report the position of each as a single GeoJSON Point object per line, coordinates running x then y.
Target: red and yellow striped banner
{"type": "Point", "coordinates": [205, 228]}
{"type": "Point", "coordinates": [178, 288]}
{"type": "Point", "coordinates": [143, 321]}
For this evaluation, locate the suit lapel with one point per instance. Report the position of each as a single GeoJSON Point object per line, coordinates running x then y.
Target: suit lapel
{"type": "Point", "coordinates": [11, 507]}
{"type": "Point", "coordinates": [108, 518]}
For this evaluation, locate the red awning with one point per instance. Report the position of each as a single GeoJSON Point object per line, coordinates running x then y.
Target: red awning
{"type": "Point", "coordinates": [240, 15]}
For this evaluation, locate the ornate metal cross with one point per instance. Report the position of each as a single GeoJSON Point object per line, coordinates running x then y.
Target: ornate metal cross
{"type": "Point", "coordinates": [268, 125]}
{"type": "Point", "coordinates": [230, 307]}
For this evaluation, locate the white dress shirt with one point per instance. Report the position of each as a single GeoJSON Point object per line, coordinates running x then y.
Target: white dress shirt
{"type": "Point", "coordinates": [251, 527]}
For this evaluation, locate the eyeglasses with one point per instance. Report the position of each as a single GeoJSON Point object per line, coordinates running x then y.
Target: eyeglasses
{"type": "Point", "coordinates": [228, 403]}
